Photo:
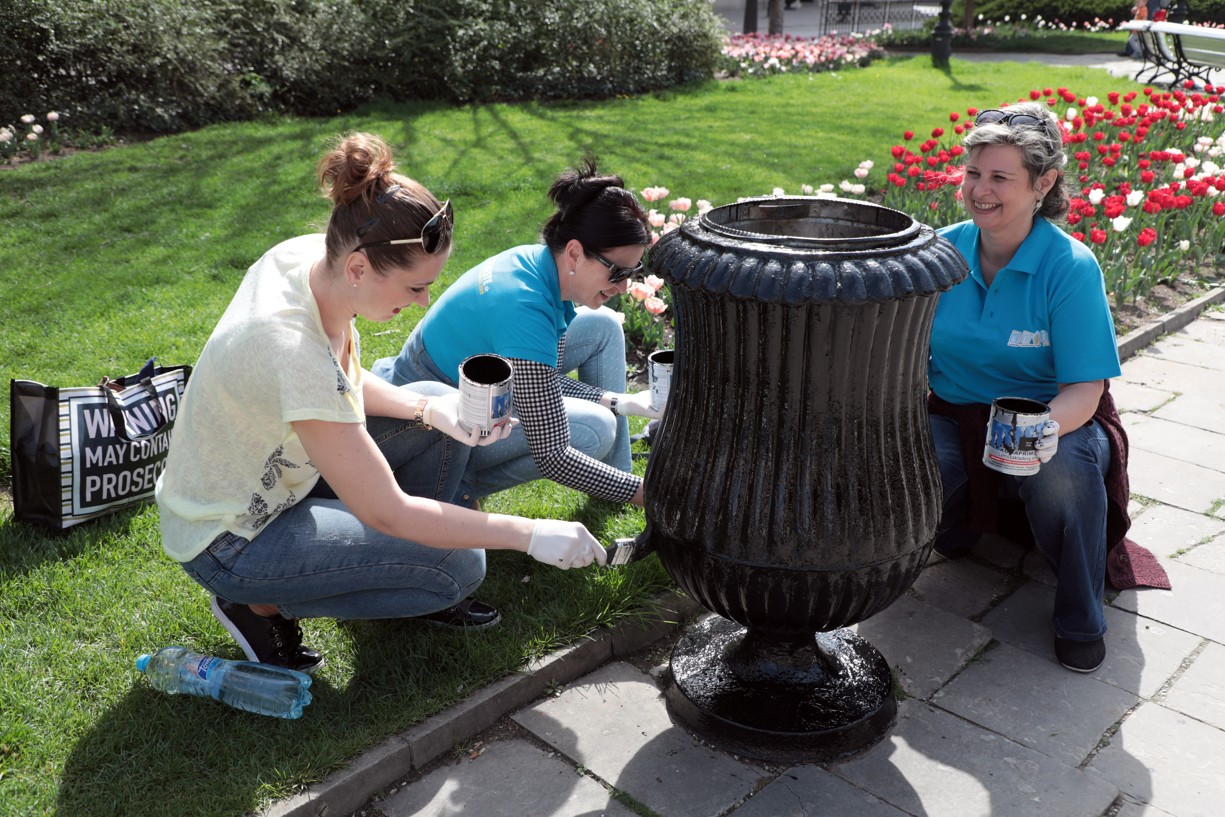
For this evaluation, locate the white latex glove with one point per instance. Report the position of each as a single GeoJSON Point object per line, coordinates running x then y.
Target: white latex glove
{"type": "Point", "coordinates": [564, 544]}
{"type": "Point", "coordinates": [1048, 443]}
{"type": "Point", "coordinates": [442, 412]}
{"type": "Point", "coordinates": [637, 404]}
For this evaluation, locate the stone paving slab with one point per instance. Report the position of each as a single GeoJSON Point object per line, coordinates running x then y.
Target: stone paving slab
{"type": "Point", "coordinates": [1186, 443]}
{"type": "Point", "coordinates": [1209, 556]}
{"type": "Point", "coordinates": [937, 765]}
{"type": "Point", "coordinates": [1165, 758]}
{"type": "Point", "coordinates": [960, 586]}
{"type": "Point", "coordinates": [1168, 375]}
{"type": "Point", "coordinates": [1200, 690]}
{"type": "Point", "coordinates": [1141, 654]}
{"type": "Point", "coordinates": [1211, 332]}
{"type": "Point", "coordinates": [1166, 531]}
{"type": "Point", "coordinates": [1195, 604]}
{"type": "Point", "coordinates": [1195, 410]}
{"type": "Point", "coordinates": [1135, 397]}
{"type": "Point", "coordinates": [1131, 809]}
{"type": "Point", "coordinates": [511, 778]}
{"type": "Point", "coordinates": [1174, 482]}
{"type": "Point", "coordinates": [615, 723]}
{"type": "Point", "coordinates": [1036, 702]}
{"type": "Point", "coordinates": [926, 645]}
{"type": "Point", "coordinates": [806, 791]}
{"type": "Point", "coordinates": [1181, 348]}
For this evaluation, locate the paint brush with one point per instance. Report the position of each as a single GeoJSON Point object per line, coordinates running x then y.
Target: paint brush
{"type": "Point", "coordinates": [628, 550]}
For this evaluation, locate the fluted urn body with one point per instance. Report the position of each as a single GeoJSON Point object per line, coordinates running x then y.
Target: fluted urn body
{"type": "Point", "coordinates": [794, 489]}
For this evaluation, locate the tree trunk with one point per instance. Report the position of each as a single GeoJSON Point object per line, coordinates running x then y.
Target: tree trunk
{"type": "Point", "coordinates": [968, 19]}
{"type": "Point", "coordinates": [774, 15]}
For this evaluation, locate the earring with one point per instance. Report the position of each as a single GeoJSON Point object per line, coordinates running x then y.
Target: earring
{"type": "Point", "coordinates": [572, 270]}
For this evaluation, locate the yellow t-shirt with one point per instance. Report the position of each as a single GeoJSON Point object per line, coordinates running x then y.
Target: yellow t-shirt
{"type": "Point", "coordinates": [234, 461]}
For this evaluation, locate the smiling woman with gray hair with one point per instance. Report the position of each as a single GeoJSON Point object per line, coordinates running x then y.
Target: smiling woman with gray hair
{"type": "Point", "coordinates": [1032, 320]}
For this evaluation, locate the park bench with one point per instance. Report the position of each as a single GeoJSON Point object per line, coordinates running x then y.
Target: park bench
{"type": "Point", "coordinates": [1200, 49]}
{"type": "Point", "coordinates": [1173, 53]}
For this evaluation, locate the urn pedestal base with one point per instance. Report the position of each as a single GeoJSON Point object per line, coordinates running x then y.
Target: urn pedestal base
{"type": "Point", "coordinates": [785, 702]}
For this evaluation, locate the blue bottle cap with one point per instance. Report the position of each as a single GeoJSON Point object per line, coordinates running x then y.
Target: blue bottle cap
{"type": "Point", "coordinates": [142, 662]}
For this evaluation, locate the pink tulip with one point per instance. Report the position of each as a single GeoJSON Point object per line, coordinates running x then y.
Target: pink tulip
{"type": "Point", "coordinates": [654, 193]}
{"type": "Point", "coordinates": [655, 306]}
{"type": "Point", "coordinates": [654, 282]}
{"type": "Point", "coordinates": [641, 291]}
{"type": "Point", "coordinates": [680, 204]}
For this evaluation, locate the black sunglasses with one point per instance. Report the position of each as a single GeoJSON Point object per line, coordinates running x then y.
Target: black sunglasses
{"type": "Point", "coordinates": [435, 233]}
{"type": "Point", "coordinates": [618, 274]}
{"type": "Point", "coordinates": [993, 116]}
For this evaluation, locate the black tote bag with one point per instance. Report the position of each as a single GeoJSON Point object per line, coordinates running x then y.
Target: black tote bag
{"type": "Point", "coordinates": [84, 451]}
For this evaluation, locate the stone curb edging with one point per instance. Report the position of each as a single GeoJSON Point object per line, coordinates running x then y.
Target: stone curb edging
{"type": "Point", "coordinates": [348, 789]}
{"type": "Point", "coordinates": [1142, 336]}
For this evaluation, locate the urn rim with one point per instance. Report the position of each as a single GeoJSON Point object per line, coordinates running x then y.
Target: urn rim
{"type": "Point", "coordinates": [888, 227]}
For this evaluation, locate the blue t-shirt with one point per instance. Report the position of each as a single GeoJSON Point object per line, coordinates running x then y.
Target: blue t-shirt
{"type": "Point", "coordinates": [509, 305]}
{"type": "Point", "coordinates": [1044, 320]}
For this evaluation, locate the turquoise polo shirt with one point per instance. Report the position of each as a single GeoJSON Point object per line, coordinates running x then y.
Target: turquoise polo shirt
{"type": "Point", "coordinates": [509, 305]}
{"type": "Point", "coordinates": [1044, 320]}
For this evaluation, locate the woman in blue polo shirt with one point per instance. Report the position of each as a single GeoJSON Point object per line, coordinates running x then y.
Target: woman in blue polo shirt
{"type": "Point", "coordinates": [521, 304]}
{"type": "Point", "coordinates": [1032, 320]}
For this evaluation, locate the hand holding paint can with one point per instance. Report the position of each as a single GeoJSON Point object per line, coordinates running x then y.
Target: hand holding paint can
{"type": "Point", "coordinates": [659, 372]}
{"type": "Point", "coordinates": [1013, 432]}
{"type": "Point", "coordinates": [485, 392]}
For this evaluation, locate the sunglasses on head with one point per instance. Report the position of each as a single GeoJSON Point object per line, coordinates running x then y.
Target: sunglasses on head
{"type": "Point", "coordinates": [993, 116]}
{"type": "Point", "coordinates": [435, 233]}
{"type": "Point", "coordinates": [618, 274]}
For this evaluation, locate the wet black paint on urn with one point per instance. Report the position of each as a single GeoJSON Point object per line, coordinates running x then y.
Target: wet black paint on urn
{"type": "Point", "coordinates": [793, 489]}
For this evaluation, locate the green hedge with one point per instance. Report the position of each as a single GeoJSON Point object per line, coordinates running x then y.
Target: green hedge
{"type": "Point", "coordinates": [167, 65]}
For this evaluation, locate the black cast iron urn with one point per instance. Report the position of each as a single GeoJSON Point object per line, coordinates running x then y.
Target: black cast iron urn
{"type": "Point", "coordinates": [794, 490]}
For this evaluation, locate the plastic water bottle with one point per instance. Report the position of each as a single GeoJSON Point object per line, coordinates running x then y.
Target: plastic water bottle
{"type": "Point", "coordinates": [261, 688]}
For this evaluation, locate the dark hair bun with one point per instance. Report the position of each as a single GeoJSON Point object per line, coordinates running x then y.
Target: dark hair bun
{"type": "Point", "coordinates": [579, 185]}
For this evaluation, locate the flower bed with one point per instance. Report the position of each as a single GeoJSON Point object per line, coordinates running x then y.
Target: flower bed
{"type": "Point", "coordinates": [1145, 176]}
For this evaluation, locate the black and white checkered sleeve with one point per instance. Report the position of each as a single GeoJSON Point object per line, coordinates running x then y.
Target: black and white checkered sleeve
{"type": "Point", "coordinates": [538, 403]}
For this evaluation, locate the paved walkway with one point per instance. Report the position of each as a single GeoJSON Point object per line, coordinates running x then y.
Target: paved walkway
{"type": "Point", "coordinates": [992, 725]}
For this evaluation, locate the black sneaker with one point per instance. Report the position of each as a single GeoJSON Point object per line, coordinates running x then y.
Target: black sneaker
{"type": "Point", "coordinates": [469, 614]}
{"type": "Point", "coordinates": [272, 640]}
{"type": "Point", "coordinates": [1080, 656]}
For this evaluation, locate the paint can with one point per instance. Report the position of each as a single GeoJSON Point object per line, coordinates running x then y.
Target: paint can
{"type": "Point", "coordinates": [659, 372]}
{"type": "Point", "coordinates": [485, 392]}
{"type": "Point", "coordinates": [1012, 433]}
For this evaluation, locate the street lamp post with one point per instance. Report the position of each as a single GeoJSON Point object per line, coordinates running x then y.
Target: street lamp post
{"type": "Point", "coordinates": [942, 36]}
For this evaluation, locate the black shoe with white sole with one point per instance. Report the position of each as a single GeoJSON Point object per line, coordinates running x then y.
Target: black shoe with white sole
{"type": "Point", "coordinates": [271, 639]}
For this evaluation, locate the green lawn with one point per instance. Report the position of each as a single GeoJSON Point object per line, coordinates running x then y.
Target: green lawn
{"type": "Point", "coordinates": [109, 258]}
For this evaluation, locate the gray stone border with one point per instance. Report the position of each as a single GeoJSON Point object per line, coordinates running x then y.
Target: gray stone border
{"type": "Point", "coordinates": [1142, 336]}
{"type": "Point", "coordinates": [347, 790]}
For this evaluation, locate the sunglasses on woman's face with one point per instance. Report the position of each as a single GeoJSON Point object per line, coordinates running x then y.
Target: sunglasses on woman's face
{"type": "Point", "coordinates": [435, 233]}
{"type": "Point", "coordinates": [618, 274]}
{"type": "Point", "coordinates": [993, 116]}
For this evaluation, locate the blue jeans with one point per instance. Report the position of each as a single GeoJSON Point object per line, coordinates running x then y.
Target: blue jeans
{"type": "Point", "coordinates": [316, 559]}
{"type": "Point", "coordinates": [595, 347]}
{"type": "Point", "coordinates": [1065, 503]}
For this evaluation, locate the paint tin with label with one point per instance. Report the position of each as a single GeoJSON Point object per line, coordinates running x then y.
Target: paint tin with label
{"type": "Point", "coordinates": [659, 371]}
{"type": "Point", "coordinates": [485, 392]}
{"type": "Point", "coordinates": [1012, 433]}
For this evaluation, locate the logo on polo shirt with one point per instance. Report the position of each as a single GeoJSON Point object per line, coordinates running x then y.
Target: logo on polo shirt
{"type": "Point", "coordinates": [1029, 340]}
